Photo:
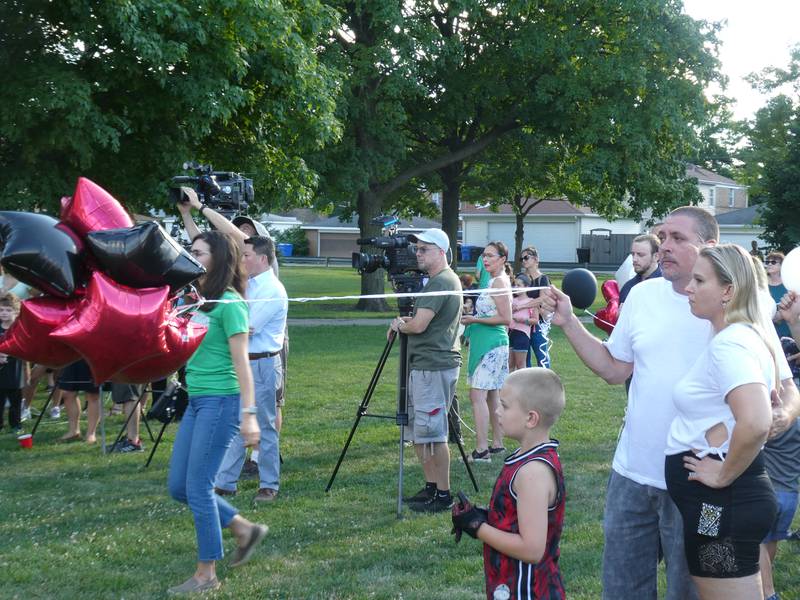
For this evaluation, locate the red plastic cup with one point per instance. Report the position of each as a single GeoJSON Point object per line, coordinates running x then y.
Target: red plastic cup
{"type": "Point", "coordinates": [25, 440]}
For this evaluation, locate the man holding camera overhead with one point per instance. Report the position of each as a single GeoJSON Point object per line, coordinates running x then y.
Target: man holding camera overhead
{"type": "Point", "coordinates": [434, 361]}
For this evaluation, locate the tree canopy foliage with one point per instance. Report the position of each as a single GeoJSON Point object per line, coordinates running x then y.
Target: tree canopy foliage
{"type": "Point", "coordinates": [123, 92]}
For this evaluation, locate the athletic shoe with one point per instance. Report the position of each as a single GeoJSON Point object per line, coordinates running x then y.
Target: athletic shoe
{"type": "Point", "coordinates": [265, 495]}
{"type": "Point", "coordinates": [424, 495]}
{"type": "Point", "coordinates": [794, 536]}
{"type": "Point", "coordinates": [434, 505]}
{"type": "Point", "coordinates": [26, 415]}
{"type": "Point", "coordinates": [55, 412]}
{"type": "Point", "coordinates": [476, 456]}
{"type": "Point", "coordinates": [126, 446]}
{"type": "Point", "coordinates": [192, 586]}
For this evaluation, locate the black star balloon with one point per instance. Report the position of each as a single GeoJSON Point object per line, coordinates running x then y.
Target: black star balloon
{"type": "Point", "coordinates": [144, 256]}
{"type": "Point", "coordinates": [40, 251]}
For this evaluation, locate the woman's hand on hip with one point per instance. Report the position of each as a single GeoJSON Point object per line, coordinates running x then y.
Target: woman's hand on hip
{"type": "Point", "coordinates": [249, 430]}
{"type": "Point", "coordinates": [706, 471]}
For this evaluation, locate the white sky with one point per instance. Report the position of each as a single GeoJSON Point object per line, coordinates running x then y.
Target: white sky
{"type": "Point", "coordinates": [758, 34]}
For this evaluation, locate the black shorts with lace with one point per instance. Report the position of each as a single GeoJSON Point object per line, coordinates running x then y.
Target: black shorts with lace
{"type": "Point", "coordinates": [722, 528]}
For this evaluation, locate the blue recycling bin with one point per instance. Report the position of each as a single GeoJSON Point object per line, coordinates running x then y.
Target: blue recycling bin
{"type": "Point", "coordinates": [286, 249]}
{"type": "Point", "coordinates": [466, 252]}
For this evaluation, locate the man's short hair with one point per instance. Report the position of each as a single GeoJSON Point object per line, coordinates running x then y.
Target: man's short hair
{"type": "Point", "coordinates": [10, 300]}
{"type": "Point", "coordinates": [263, 246]}
{"type": "Point", "coordinates": [776, 255]}
{"type": "Point", "coordinates": [648, 237]}
{"type": "Point", "coordinates": [705, 224]}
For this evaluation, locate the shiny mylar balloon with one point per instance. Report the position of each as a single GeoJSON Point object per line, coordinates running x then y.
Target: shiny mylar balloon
{"type": "Point", "coordinates": [41, 252]}
{"type": "Point", "coordinates": [183, 337]}
{"type": "Point", "coordinates": [581, 287]}
{"type": "Point", "coordinates": [29, 337]}
{"type": "Point", "coordinates": [606, 318]}
{"type": "Point", "coordinates": [116, 326]}
{"type": "Point", "coordinates": [144, 256]}
{"type": "Point", "coordinates": [93, 209]}
{"type": "Point", "coordinates": [790, 271]}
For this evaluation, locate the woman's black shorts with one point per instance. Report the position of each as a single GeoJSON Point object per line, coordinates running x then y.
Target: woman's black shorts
{"type": "Point", "coordinates": [77, 378]}
{"type": "Point", "coordinates": [722, 528]}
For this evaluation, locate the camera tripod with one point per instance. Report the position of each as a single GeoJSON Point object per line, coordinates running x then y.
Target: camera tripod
{"type": "Point", "coordinates": [401, 416]}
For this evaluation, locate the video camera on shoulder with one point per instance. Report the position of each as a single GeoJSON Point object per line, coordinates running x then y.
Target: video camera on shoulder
{"type": "Point", "coordinates": [224, 191]}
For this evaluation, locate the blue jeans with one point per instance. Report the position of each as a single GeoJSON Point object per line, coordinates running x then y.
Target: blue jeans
{"type": "Point", "coordinates": [205, 432]}
{"type": "Point", "coordinates": [539, 348]}
{"type": "Point", "coordinates": [266, 381]}
{"type": "Point", "coordinates": [639, 520]}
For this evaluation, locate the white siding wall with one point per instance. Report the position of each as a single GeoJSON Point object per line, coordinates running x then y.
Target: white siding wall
{"type": "Point", "coordinates": [741, 236]}
{"type": "Point", "coordinates": [555, 240]}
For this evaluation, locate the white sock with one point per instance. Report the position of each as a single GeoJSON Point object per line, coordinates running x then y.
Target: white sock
{"type": "Point", "coordinates": [254, 456]}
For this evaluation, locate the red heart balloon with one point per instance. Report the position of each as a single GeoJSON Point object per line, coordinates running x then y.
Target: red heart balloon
{"type": "Point", "coordinates": [183, 337]}
{"type": "Point", "coordinates": [610, 290]}
{"type": "Point", "coordinates": [607, 317]}
{"type": "Point", "coordinates": [29, 337]}
{"type": "Point", "coordinates": [116, 326]}
{"type": "Point", "coordinates": [93, 209]}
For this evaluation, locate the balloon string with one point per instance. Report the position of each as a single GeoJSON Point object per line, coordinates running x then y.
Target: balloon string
{"type": "Point", "coordinates": [612, 325]}
{"type": "Point", "coordinates": [488, 291]}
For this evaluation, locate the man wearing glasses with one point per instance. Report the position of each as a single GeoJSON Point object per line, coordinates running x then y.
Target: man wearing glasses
{"type": "Point", "coordinates": [434, 361]}
{"type": "Point", "coordinates": [777, 290]}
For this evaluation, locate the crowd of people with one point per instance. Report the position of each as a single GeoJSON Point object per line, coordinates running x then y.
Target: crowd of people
{"type": "Point", "coordinates": [706, 469]}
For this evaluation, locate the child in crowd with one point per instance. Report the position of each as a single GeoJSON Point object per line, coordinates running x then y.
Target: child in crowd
{"type": "Point", "coordinates": [522, 527]}
{"type": "Point", "coordinates": [782, 456]}
{"type": "Point", "coordinates": [524, 313]}
{"type": "Point", "coordinates": [13, 372]}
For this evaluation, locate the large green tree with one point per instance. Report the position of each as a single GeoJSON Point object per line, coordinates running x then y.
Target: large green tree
{"type": "Point", "coordinates": [125, 91]}
{"type": "Point", "coordinates": [433, 84]}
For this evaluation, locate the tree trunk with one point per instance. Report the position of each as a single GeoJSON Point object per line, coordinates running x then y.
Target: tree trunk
{"type": "Point", "coordinates": [369, 206]}
{"type": "Point", "coordinates": [451, 195]}
{"type": "Point", "coordinates": [519, 232]}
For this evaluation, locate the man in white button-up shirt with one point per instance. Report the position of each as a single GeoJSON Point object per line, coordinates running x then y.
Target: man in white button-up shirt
{"type": "Point", "coordinates": [268, 308]}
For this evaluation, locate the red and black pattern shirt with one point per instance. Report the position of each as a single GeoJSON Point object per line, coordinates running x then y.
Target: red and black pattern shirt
{"type": "Point", "coordinates": [508, 577]}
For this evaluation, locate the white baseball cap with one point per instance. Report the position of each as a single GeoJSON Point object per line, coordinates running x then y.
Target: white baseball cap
{"type": "Point", "coordinates": [432, 236]}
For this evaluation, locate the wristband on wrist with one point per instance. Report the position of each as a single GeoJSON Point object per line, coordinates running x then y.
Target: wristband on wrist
{"type": "Point", "coordinates": [202, 208]}
{"type": "Point", "coordinates": [249, 410]}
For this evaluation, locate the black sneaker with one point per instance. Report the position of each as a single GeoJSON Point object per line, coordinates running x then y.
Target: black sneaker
{"type": "Point", "coordinates": [126, 446]}
{"type": "Point", "coordinates": [476, 456]}
{"type": "Point", "coordinates": [424, 495]}
{"type": "Point", "coordinates": [433, 505]}
{"type": "Point", "coordinates": [497, 450]}
{"type": "Point", "coordinates": [249, 470]}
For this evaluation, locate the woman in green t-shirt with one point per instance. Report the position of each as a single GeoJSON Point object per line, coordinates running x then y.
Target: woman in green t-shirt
{"type": "Point", "coordinates": [220, 386]}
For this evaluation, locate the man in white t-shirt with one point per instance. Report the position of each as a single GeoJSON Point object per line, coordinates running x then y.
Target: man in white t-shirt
{"type": "Point", "coordinates": [657, 340]}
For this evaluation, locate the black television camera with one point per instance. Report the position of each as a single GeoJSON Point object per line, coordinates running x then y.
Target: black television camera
{"type": "Point", "coordinates": [398, 259]}
{"type": "Point", "coordinates": [224, 191]}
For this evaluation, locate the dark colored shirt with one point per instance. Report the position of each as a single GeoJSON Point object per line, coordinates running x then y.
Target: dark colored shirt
{"type": "Point", "coordinates": [782, 455]}
{"type": "Point", "coordinates": [12, 375]}
{"type": "Point", "coordinates": [542, 580]}
{"type": "Point", "coordinates": [637, 279]}
{"type": "Point", "coordinates": [777, 292]}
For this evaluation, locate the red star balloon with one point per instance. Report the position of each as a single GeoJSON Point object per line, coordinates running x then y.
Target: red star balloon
{"type": "Point", "coordinates": [29, 336]}
{"type": "Point", "coordinates": [93, 209]}
{"type": "Point", "coordinates": [183, 338]}
{"type": "Point", "coordinates": [607, 317]}
{"type": "Point", "coordinates": [116, 326]}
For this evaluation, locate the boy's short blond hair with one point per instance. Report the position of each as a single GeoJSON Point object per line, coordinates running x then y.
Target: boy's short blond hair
{"type": "Point", "coordinates": [538, 389]}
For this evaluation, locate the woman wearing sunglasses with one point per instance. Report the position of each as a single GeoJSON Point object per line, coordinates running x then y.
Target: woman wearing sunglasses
{"type": "Point", "coordinates": [539, 342]}
{"type": "Point", "coordinates": [777, 290]}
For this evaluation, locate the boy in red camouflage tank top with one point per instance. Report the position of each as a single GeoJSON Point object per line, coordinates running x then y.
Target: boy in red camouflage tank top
{"type": "Point", "coordinates": [522, 527]}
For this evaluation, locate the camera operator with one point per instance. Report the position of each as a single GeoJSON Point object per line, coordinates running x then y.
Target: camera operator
{"type": "Point", "coordinates": [434, 363]}
{"type": "Point", "coordinates": [239, 229]}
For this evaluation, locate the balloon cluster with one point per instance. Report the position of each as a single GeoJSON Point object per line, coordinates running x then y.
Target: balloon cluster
{"type": "Point", "coordinates": [108, 288]}
{"type": "Point", "coordinates": [606, 318]}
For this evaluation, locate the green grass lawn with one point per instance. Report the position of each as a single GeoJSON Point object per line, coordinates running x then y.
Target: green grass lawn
{"type": "Point", "coordinates": [77, 524]}
{"type": "Point", "coordinates": [304, 282]}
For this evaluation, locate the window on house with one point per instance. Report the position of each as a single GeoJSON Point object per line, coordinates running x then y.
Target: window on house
{"type": "Point", "coordinates": [711, 196]}
{"type": "Point", "coordinates": [731, 197]}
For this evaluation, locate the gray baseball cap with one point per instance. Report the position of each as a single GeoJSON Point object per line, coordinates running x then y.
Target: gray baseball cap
{"type": "Point", "coordinates": [260, 229]}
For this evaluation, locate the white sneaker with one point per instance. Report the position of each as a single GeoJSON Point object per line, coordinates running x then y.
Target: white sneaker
{"type": "Point", "coordinates": [26, 414]}
{"type": "Point", "coordinates": [55, 412]}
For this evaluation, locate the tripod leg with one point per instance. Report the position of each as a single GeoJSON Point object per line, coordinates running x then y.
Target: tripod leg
{"type": "Point", "coordinates": [362, 408]}
{"type": "Point", "coordinates": [158, 441]}
{"type": "Point", "coordinates": [44, 410]}
{"type": "Point", "coordinates": [451, 423]}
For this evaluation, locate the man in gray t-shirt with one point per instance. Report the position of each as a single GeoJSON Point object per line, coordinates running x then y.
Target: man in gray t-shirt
{"type": "Point", "coordinates": [434, 363]}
